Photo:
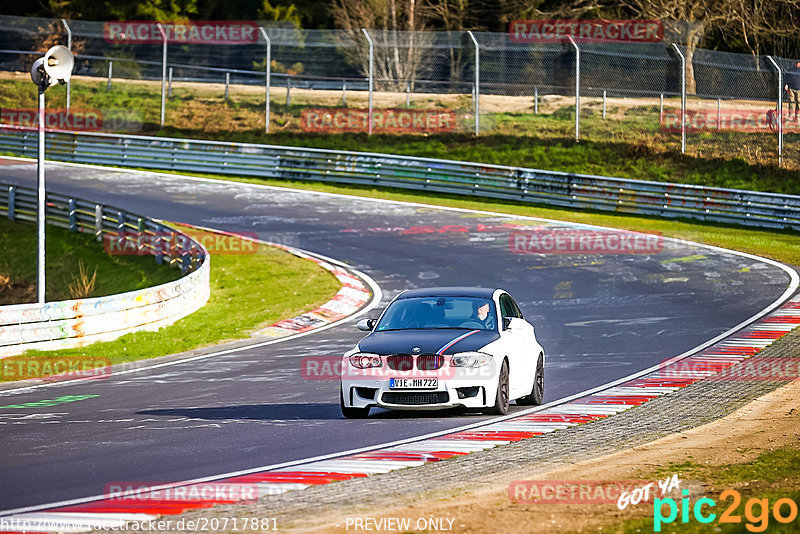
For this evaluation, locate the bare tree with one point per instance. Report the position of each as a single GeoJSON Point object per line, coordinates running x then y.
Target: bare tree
{"type": "Point", "coordinates": [398, 49]}
{"type": "Point", "coordinates": [451, 15]}
{"type": "Point", "coordinates": [687, 21]}
{"type": "Point", "coordinates": [764, 21]}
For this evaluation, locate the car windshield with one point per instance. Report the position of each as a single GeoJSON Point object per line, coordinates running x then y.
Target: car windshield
{"type": "Point", "coordinates": [472, 313]}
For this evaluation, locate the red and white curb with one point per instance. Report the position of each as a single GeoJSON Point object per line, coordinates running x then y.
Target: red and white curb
{"type": "Point", "coordinates": [151, 503]}
{"type": "Point", "coordinates": [353, 295]}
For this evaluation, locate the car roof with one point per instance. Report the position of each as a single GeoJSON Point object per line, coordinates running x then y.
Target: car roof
{"type": "Point", "coordinates": [485, 292]}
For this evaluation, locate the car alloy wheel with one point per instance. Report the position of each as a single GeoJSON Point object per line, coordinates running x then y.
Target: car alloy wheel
{"type": "Point", "coordinates": [501, 397]}
{"type": "Point", "coordinates": [536, 395]}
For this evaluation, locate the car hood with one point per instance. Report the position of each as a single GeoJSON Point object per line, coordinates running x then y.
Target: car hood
{"type": "Point", "coordinates": [443, 341]}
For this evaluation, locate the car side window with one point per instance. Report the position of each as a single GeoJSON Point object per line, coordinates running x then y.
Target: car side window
{"type": "Point", "coordinates": [509, 308]}
{"type": "Point", "coordinates": [517, 311]}
{"type": "Point", "coordinates": [506, 306]}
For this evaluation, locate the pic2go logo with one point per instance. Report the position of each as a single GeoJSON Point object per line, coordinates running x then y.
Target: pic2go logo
{"type": "Point", "coordinates": [756, 511]}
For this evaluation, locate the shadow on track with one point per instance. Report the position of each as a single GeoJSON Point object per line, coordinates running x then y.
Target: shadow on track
{"type": "Point", "coordinates": [293, 411]}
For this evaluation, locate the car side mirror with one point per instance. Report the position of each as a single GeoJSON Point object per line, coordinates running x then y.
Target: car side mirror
{"type": "Point", "coordinates": [506, 323]}
{"type": "Point", "coordinates": [366, 325]}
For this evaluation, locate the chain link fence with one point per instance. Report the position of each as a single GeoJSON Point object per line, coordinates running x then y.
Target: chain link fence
{"type": "Point", "coordinates": [658, 95]}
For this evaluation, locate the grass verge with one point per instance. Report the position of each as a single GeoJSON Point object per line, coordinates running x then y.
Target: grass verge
{"type": "Point", "coordinates": [248, 291]}
{"type": "Point", "coordinates": [71, 260]}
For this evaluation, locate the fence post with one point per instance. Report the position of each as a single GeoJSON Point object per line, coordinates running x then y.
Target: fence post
{"type": "Point", "coordinates": [683, 97]}
{"type": "Point", "coordinates": [344, 93]}
{"type": "Point", "coordinates": [472, 92]}
{"type": "Point", "coordinates": [98, 222]}
{"type": "Point", "coordinates": [267, 81]}
{"type": "Point", "coordinates": [163, 73]}
{"type": "Point", "coordinates": [577, 89]}
{"type": "Point", "coordinates": [371, 76]}
{"type": "Point", "coordinates": [110, 70]}
{"type": "Point", "coordinates": [227, 83]}
{"type": "Point", "coordinates": [169, 83]}
{"type": "Point", "coordinates": [604, 104]}
{"type": "Point", "coordinates": [288, 92]}
{"type": "Point", "coordinates": [73, 223]}
{"type": "Point", "coordinates": [661, 111]}
{"type": "Point", "coordinates": [477, 82]}
{"type": "Point", "coordinates": [69, 47]}
{"type": "Point", "coordinates": [719, 113]}
{"type": "Point", "coordinates": [11, 201]}
{"type": "Point", "coordinates": [408, 95]}
{"type": "Point", "coordinates": [536, 100]}
{"type": "Point", "coordinates": [157, 245]}
{"type": "Point", "coordinates": [41, 203]}
{"type": "Point", "coordinates": [780, 109]}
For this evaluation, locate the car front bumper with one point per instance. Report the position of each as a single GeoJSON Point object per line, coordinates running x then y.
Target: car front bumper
{"type": "Point", "coordinates": [467, 387]}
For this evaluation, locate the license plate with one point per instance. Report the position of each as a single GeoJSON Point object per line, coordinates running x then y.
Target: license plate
{"type": "Point", "coordinates": [413, 383]}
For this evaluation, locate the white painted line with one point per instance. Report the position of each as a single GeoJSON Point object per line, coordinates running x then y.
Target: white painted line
{"type": "Point", "coordinates": [748, 343]}
{"type": "Point", "coordinates": [623, 392]}
{"type": "Point", "coordinates": [528, 426]}
{"type": "Point", "coordinates": [276, 488]}
{"type": "Point", "coordinates": [590, 409]}
{"type": "Point", "coordinates": [449, 445]}
{"type": "Point", "coordinates": [777, 327]}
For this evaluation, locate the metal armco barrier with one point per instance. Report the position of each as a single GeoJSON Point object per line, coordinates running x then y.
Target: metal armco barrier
{"type": "Point", "coordinates": [578, 191]}
{"type": "Point", "coordinates": [72, 323]}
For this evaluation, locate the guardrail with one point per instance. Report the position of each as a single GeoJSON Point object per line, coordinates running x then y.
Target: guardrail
{"type": "Point", "coordinates": [578, 191]}
{"type": "Point", "coordinates": [72, 323]}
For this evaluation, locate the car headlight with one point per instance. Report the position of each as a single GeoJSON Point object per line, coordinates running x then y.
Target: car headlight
{"type": "Point", "coordinates": [470, 359]}
{"type": "Point", "coordinates": [365, 360]}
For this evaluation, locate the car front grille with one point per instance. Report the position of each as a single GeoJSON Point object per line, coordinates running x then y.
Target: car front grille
{"type": "Point", "coordinates": [400, 362]}
{"type": "Point", "coordinates": [405, 362]}
{"type": "Point", "coordinates": [429, 362]}
{"type": "Point", "coordinates": [431, 397]}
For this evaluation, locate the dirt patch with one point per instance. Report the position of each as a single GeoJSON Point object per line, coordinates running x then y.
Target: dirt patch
{"type": "Point", "coordinates": [16, 291]}
{"type": "Point", "coordinates": [767, 423]}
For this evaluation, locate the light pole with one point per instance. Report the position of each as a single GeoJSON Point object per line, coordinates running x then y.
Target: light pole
{"type": "Point", "coordinates": [54, 68]}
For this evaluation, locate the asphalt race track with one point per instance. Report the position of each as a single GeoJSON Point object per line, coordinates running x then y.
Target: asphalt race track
{"type": "Point", "coordinates": [600, 317]}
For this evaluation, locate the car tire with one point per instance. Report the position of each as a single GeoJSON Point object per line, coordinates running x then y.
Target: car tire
{"type": "Point", "coordinates": [536, 395]}
{"type": "Point", "coordinates": [501, 400]}
{"type": "Point", "coordinates": [351, 413]}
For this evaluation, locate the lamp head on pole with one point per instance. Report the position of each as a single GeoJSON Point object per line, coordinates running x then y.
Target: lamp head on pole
{"type": "Point", "coordinates": [54, 68]}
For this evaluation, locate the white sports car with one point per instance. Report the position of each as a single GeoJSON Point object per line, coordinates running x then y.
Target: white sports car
{"type": "Point", "coordinates": [444, 347]}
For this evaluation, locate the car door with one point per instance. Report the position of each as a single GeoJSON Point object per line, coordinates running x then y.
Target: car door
{"type": "Point", "coordinates": [521, 356]}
